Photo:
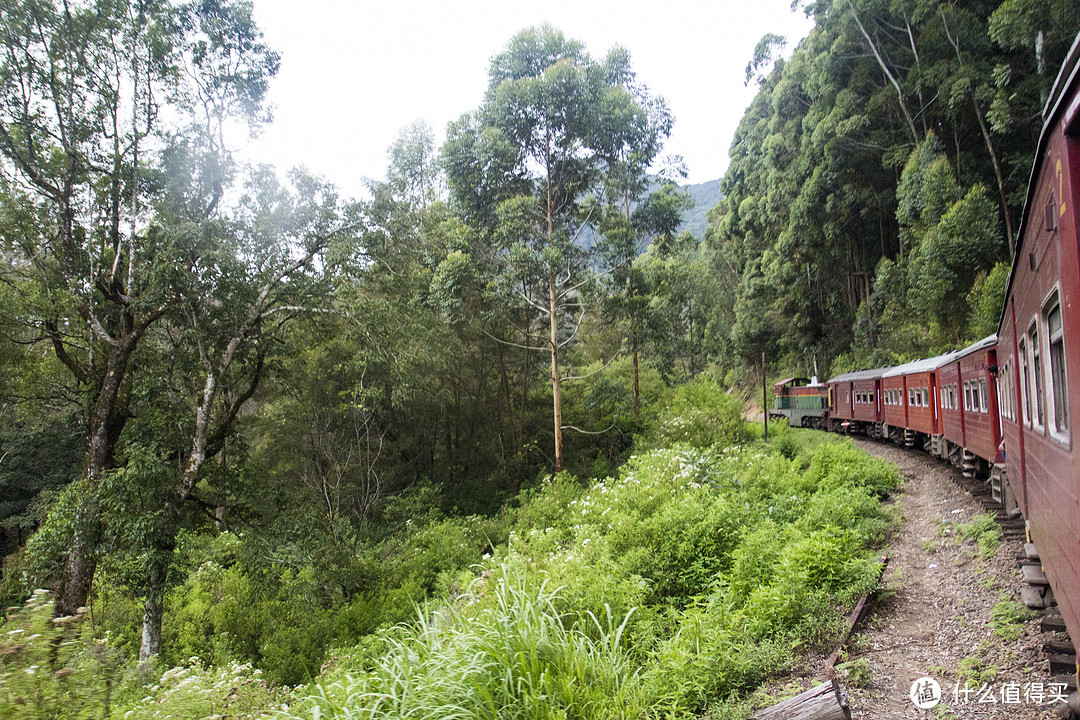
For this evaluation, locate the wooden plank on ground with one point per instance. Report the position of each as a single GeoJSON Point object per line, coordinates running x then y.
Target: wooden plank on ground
{"type": "Point", "coordinates": [1059, 647]}
{"type": "Point", "coordinates": [1052, 623]}
{"type": "Point", "coordinates": [823, 702]}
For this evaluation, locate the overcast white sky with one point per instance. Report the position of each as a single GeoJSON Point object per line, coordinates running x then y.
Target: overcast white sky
{"type": "Point", "coordinates": [353, 74]}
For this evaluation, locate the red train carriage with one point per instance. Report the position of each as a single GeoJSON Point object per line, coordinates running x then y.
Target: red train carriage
{"type": "Point", "coordinates": [856, 401]}
{"type": "Point", "coordinates": [969, 408]}
{"type": "Point", "coordinates": [1040, 327]}
{"type": "Point", "coordinates": [910, 403]}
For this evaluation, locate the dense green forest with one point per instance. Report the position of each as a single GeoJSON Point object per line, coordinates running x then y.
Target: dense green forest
{"type": "Point", "coordinates": [877, 180]}
{"type": "Point", "coordinates": [248, 425]}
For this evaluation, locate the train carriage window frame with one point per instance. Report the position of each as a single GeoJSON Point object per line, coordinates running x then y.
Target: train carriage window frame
{"type": "Point", "coordinates": [1038, 420]}
{"type": "Point", "coordinates": [1056, 368]}
{"type": "Point", "coordinates": [984, 396]}
{"type": "Point", "coordinates": [1025, 380]}
{"type": "Point", "coordinates": [1002, 391]}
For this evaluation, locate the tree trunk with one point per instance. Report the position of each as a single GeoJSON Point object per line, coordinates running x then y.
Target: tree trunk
{"type": "Point", "coordinates": [154, 604]}
{"type": "Point", "coordinates": [81, 562]}
{"type": "Point", "coordinates": [693, 342]}
{"type": "Point", "coordinates": [888, 74]}
{"type": "Point", "coordinates": [106, 422]}
{"type": "Point", "coordinates": [556, 399]}
{"type": "Point", "coordinates": [634, 338]}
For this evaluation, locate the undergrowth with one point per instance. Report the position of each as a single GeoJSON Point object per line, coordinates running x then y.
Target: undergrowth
{"type": "Point", "coordinates": [984, 531]}
{"type": "Point", "coordinates": [674, 588]}
{"type": "Point", "coordinates": [1008, 617]}
{"type": "Point", "coordinates": [671, 589]}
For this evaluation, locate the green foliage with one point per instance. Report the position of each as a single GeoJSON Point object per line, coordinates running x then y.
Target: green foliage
{"type": "Point", "coordinates": [710, 553]}
{"type": "Point", "coordinates": [986, 298]}
{"type": "Point", "coordinates": [876, 174]}
{"type": "Point", "coordinates": [56, 668]}
{"type": "Point", "coordinates": [973, 671]}
{"type": "Point", "coordinates": [505, 649]}
{"type": "Point", "coordinates": [700, 413]}
{"type": "Point", "coordinates": [53, 667]}
{"type": "Point", "coordinates": [602, 405]}
{"type": "Point", "coordinates": [42, 561]}
{"type": "Point", "coordinates": [857, 673]}
{"type": "Point", "coordinates": [1008, 617]}
{"type": "Point", "coordinates": [984, 531]}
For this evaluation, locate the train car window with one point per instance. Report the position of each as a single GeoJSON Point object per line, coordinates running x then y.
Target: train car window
{"type": "Point", "coordinates": [910, 396]}
{"type": "Point", "coordinates": [1037, 372]}
{"type": "Point", "coordinates": [967, 397]}
{"type": "Point", "coordinates": [1003, 391]}
{"type": "Point", "coordinates": [1058, 386]}
{"type": "Point", "coordinates": [984, 399]}
{"type": "Point", "coordinates": [925, 397]}
{"type": "Point", "coordinates": [1025, 382]}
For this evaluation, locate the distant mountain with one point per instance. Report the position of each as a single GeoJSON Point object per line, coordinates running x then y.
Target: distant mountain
{"type": "Point", "coordinates": [706, 195]}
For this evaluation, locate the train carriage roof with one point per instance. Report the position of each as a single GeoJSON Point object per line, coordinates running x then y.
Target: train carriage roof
{"type": "Point", "coordinates": [920, 366]}
{"type": "Point", "coordinates": [859, 375]}
{"type": "Point", "coordinates": [987, 342]}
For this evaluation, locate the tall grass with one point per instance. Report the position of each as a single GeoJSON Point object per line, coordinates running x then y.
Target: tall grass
{"type": "Point", "coordinates": [504, 652]}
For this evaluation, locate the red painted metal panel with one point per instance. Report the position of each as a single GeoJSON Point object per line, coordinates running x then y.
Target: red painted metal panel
{"type": "Point", "coordinates": [952, 421]}
{"type": "Point", "coordinates": [867, 391]}
{"type": "Point", "coordinates": [1039, 447]}
{"type": "Point", "coordinates": [893, 413]}
{"type": "Point", "coordinates": [843, 400]}
{"type": "Point", "coordinates": [981, 435]}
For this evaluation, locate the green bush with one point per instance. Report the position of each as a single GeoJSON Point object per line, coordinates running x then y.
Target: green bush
{"type": "Point", "coordinates": [701, 414]}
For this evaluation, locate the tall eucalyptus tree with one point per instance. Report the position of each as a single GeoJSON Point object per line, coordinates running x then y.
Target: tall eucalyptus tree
{"type": "Point", "coordinates": [567, 122]}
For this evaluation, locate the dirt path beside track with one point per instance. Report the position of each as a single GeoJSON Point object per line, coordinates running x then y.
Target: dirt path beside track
{"type": "Point", "coordinates": [932, 617]}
